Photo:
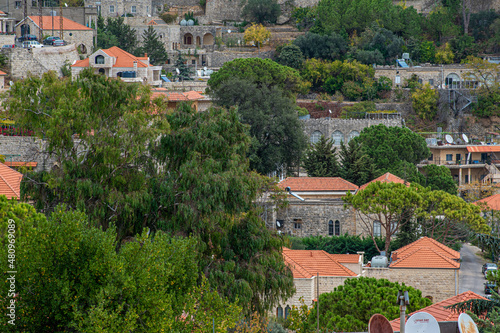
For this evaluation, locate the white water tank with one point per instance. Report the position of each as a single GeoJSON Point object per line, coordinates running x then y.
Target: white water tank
{"type": "Point", "coordinates": [379, 262]}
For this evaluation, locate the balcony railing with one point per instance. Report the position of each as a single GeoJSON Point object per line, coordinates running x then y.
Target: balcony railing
{"type": "Point", "coordinates": [439, 161]}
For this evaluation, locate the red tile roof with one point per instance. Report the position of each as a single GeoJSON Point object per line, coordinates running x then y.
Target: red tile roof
{"type": "Point", "coordinates": [2, 73]}
{"type": "Point", "coordinates": [438, 309]}
{"type": "Point", "coordinates": [308, 263]}
{"type": "Point", "coordinates": [346, 258]}
{"type": "Point", "coordinates": [424, 257]}
{"type": "Point", "coordinates": [316, 184]}
{"type": "Point", "coordinates": [123, 59]}
{"type": "Point", "coordinates": [67, 23]}
{"type": "Point", "coordinates": [484, 149]}
{"type": "Point", "coordinates": [2, 13]}
{"type": "Point", "coordinates": [10, 182]}
{"type": "Point", "coordinates": [386, 178]}
{"type": "Point", "coordinates": [492, 202]}
{"type": "Point", "coordinates": [429, 243]}
{"type": "Point", "coordinates": [19, 164]}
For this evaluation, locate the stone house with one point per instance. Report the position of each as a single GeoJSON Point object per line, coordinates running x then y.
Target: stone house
{"type": "Point", "coordinates": [446, 318]}
{"type": "Point", "coordinates": [72, 32]}
{"type": "Point", "coordinates": [315, 270]}
{"type": "Point", "coordinates": [321, 210]}
{"type": "Point", "coordinates": [7, 23]}
{"type": "Point", "coordinates": [467, 163]}
{"type": "Point", "coordinates": [117, 63]}
{"type": "Point", "coordinates": [425, 264]}
{"type": "Point", "coordinates": [175, 97]}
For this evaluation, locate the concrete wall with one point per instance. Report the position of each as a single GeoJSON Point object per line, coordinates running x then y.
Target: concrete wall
{"type": "Point", "coordinates": [439, 284]}
{"type": "Point", "coordinates": [38, 61]}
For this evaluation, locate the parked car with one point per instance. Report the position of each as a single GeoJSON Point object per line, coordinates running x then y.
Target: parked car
{"type": "Point", "coordinates": [488, 265]}
{"type": "Point", "coordinates": [491, 269]}
{"type": "Point", "coordinates": [6, 46]}
{"type": "Point", "coordinates": [31, 44]}
{"type": "Point", "coordinates": [489, 286]}
{"type": "Point", "coordinates": [50, 40]}
{"type": "Point", "coordinates": [26, 37]}
{"type": "Point", "coordinates": [58, 42]}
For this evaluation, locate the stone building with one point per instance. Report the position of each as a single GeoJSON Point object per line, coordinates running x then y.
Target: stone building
{"type": "Point", "coordinates": [339, 130]}
{"type": "Point", "coordinates": [115, 62]}
{"type": "Point", "coordinates": [313, 270]}
{"type": "Point", "coordinates": [425, 264]}
{"type": "Point", "coordinates": [72, 32]}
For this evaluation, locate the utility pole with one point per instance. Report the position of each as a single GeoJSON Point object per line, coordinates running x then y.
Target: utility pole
{"type": "Point", "coordinates": [403, 301]}
{"type": "Point", "coordinates": [60, 20]}
{"type": "Point", "coordinates": [25, 30]}
{"type": "Point", "coordinates": [317, 302]}
{"type": "Point", "coordinates": [40, 24]}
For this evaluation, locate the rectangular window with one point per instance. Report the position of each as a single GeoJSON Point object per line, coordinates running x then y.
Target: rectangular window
{"type": "Point", "coordinates": [297, 223]}
{"type": "Point", "coordinates": [449, 157]}
{"type": "Point", "coordinates": [133, 9]}
{"type": "Point", "coordinates": [193, 62]}
{"type": "Point", "coordinates": [18, 4]}
{"type": "Point", "coordinates": [111, 9]}
{"type": "Point", "coordinates": [431, 157]}
{"type": "Point", "coordinates": [431, 82]}
{"type": "Point", "coordinates": [377, 231]}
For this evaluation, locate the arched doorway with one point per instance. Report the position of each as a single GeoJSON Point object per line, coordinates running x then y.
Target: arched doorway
{"type": "Point", "coordinates": [208, 39]}
{"type": "Point", "coordinates": [25, 29]}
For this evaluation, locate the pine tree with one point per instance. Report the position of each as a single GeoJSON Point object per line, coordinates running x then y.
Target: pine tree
{"type": "Point", "coordinates": [321, 160]}
{"type": "Point", "coordinates": [357, 166]}
{"type": "Point", "coordinates": [184, 71]}
{"type": "Point", "coordinates": [153, 47]}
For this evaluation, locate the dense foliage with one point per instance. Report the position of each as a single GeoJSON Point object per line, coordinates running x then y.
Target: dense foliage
{"type": "Point", "coordinates": [261, 11]}
{"type": "Point", "coordinates": [114, 32]}
{"type": "Point", "coordinates": [153, 47]}
{"type": "Point", "coordinates": [349, 307]}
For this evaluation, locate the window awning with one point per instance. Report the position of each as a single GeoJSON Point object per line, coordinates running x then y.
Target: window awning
{"type": "Point", "coordinates": [484, 149]}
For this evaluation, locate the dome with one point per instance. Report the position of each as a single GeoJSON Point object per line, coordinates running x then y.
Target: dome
{"type": "Point", "coordinates": [190, 22]}
{"type": "Point", "coordinates": [184, 22]}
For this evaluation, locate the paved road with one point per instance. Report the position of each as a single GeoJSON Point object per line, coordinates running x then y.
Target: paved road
{"type": "Point", "coordinates": [470, 270]}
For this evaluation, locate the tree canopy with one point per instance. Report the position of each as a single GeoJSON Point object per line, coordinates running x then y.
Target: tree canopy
{"type": "Point", "coordinates": [114, 32]}
{"type": "Point", "coordinates": [261, 11]}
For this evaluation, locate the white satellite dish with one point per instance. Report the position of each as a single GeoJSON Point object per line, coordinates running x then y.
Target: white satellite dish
{"type": "Point", "coordinates": [422, 322]}
{"type": "Point", "coordinates": [11, 83]}
{"type": "Point", "coordinates": [448, 138]}
{"type": "Point", "coordinates": [177, 70]}
{"type": "Point", "coordinates": [229, 31]}
{"type": "Point", "coordinates": [278, 224]}
{"type": "Point", "coordinates": [465, 138]}
{"type": "Point", "coordinates": [466, 324]}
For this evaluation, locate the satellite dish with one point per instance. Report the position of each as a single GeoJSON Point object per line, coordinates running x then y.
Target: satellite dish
{"type": "Point", "coordinates": [177, 70]}
{"type": "Point", "coordinates": [448, 138]}
{"type": "Point", "coordinates": [422, 322]}
{"type": "Point", "coordinates": [229, 31]}
{"type": "Point", "coordinates": [279, 224]}
{"type": "Point", "coordinates": [379, 324]}
{"type": "Point", "coordinates": [11, 83]}
{"type": "Point", "coordinates": [466, 324]}
{"type": "Point", "coordinates": [465, 138]}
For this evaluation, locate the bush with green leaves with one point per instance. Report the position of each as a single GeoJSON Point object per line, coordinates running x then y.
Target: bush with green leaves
{"type": "Point", "coordinates": [291, 56]}
{"type": "Point", "coordinates": [349, 307]}
{"type": "Point", "coordinates": [71, 277]}
{"type": "Point", "coordinates": [325, 47]}
{"type": "Point", "coordinates": [261, 11]}
{"type": "Point", "coordinates": [425, 102]}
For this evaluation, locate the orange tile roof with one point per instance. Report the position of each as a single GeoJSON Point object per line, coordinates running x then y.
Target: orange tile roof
{"type": "Point", "coordinates": [123, 59]}
{"type": "Point", "coordinates": [492, 202]}
{"type": "Point", "coordinates": [2, 13]}
{"type": "Point", "coordinates": [424, 257]}
{"type": "Point", "coordinates": [176, 96]}
{"type": "Point", "coordinates": [67, 23]}
{"type": "Point", "coordinates": [307, 263]}
{"type": "Point", "coordinates": [386, 178]}
{"type": "Point", "coordinates": [346, 258]}
{"type": "Point", "coordinates": [18, 164]}
{"type": "Point", "coordinates": [438, 309]}
{"type": "Point", "coordinates": [3, 73]}
{"type": "Point", "coordinates": [317, 184]}
{"type": "Point", "coordinates": [193, 95]}
{"type": "Point", "coordinates": [10, 182]}
{"type": "Point", "coordinates": [430, 243]}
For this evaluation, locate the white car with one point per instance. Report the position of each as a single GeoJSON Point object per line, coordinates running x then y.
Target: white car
{"type": "Point", "coordinates": [31, 44]}
{"type": "Point", "coordinates": [491, 269]}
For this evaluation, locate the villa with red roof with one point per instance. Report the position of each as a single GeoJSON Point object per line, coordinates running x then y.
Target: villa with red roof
{"type": "Point", "coordinates": [424, 264]}
{"type": "Point", "coordinates": [445, 317]}
{"type": "Point", "coordinates": [321, 210]}
{"type": "Point", "coordinates": [117, 63]}
{"type": "Point", "coordinates": [386, 178]}
{"type": "Point", "coordinates": [72, 32]}
{"type": "Point", "coordinates": [312, 266]}
{"type": "Point", "coordinates": [10, 182]}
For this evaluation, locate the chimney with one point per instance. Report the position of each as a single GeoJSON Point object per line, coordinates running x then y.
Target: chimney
{"type": "Point", "coordinates": [394, 256]}
{"type": "Point", "coordinates": [145, 55]}
{"type": "Point", "coordinates": [135, 66]}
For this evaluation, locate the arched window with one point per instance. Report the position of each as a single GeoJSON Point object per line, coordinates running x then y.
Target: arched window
{"type": "Point", "coordinates": [330, 228]}
{"type": "Point", "coordinates": [83, 48]}
{"type": "Point", "coordinates": [287, 311]}
{"type": "Point", "coordinates": [352, 135]}
{"type": "Point", "coordinates": [337, 228]}
{"type": "Point", "coordinates": [316, 136]}
{"type": "Point", "coordinates": [337, 137]}
{"type": "Point", "coordinates": [188, 39]}
{"type": "Point", "coordinates": [102, 71]}
{"type": "Point", "coordinates": [279, 312]}
{"type": "Point", "coordinates": [377, 230]}
{"type": "Point", "coordinates": [99, 60]}
{"type": "Point", "coordinates": [452, 81]}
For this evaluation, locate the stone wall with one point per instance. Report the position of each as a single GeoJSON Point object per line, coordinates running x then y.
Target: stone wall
{"type": "Point", "coordinates": [38, 61]}
{"type": "Point", "coordinates": [345, 127]}
{"type": "Point", "coordinates": [25, 149]}
{"type": "Point", "coordinates": [439, 284]}
{"type": "Point", "coordinates": [185, 86]}
{"type": "Point", "coordinates": [7, 39]}
{"type": "Point", "coordinates": [311, 218]}
{"type": "Point", "coordinates": [217, 59]}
